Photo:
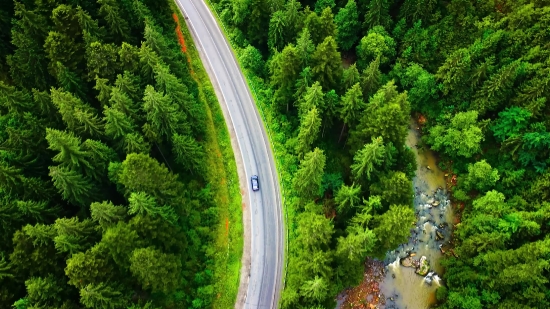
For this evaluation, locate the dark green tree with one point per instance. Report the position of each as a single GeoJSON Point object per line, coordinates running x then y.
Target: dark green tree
{"type": "Point", "coordinates": [327, 64]}
{"type": "Point", "coordinates": [347, 23]}
{"type": "Point", "coordinates": [155, 270]}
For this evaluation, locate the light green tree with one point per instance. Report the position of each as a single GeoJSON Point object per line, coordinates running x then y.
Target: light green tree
{"type": "Point", "coordinates": [377, 43]}
{"type": "Point", "coordinates": [461, 138]}
{"type": "Point", "coordinates": [101, 296]}
{"type": "Point", "coordinates": [367, 159]}
{"type": "Point", "coordinates": [308, 132]}
{"type": "Point", "coordinates": [309, 176]}
{"type": "Point", "coordinates": [347, 197]}
{"type": "Point", "coordinates": [481, 176]}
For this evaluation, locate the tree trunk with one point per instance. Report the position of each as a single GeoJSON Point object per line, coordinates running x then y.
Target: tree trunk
{"type": "Point", "coordinates": [341, 133]}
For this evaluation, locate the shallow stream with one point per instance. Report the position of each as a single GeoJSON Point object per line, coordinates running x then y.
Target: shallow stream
{"type": "Point", "coordinates": [398, 286]}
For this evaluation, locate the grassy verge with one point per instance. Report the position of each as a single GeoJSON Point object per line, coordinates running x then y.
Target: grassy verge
{"type": "Point", "coordinates": [224, 182]}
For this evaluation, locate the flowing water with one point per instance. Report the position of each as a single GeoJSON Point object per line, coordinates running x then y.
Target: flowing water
{"type": "Point", "coordinates": [399, 286]}
{"type": "Point", "coordinates": [402, 287]}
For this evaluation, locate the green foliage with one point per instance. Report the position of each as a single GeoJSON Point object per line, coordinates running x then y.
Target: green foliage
{"type": "Point", "coordinates": [63, 242]}
{"type": "Point", "coordinates": [309, 131]}
{"type": "Point", "coordinates": [310, 174]}
{"type": "Point", "coordinates": [347, 23]}
{"type": "Point", "coordinates": [327, 66]}
{"type": "Point", "coordinates": [481, 176]}
{"type": "Point", "coordinates": [368, 158]}
{"type": "Point", "coordinates": [377, 43]}
{"type": "Point", "coordinates": [395, 188]}
{"type": "Point", "coordinates": [101, 296]}
{"type": "Point", "coordinates": [155, 270]}
{"type": "Point", "coordinates": [461, 138]}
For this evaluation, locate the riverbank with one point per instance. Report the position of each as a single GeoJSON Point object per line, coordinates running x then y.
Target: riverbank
{"type": "Point", "coordinates": [409, 276]}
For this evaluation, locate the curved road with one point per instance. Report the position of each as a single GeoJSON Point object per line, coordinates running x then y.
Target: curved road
{"type": "Point", "coordinates": [263, 283]}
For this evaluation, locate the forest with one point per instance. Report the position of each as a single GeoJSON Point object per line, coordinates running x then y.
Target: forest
{"type": "Point", "coordinates": [106, 159]}
{"type": "Point", "coordinates": [339, 81]}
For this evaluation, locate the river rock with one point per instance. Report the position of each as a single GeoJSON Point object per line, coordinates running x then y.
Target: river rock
{"type": "Point", "coordinates": [407, 262]}
{"type": "Point", "coordinates": [423, 267]}
{"type": "Point", "coordinates": [435, 203]}
{"type": "Point", "coordinates": [438, 235]}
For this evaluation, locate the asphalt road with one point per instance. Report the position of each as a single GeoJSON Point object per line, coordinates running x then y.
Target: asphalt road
{"type": "Point", "coordinates": [266, 255]}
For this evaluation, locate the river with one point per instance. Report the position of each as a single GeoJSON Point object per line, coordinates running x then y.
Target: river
{"type": "Point", "coordinates": [388, 284]}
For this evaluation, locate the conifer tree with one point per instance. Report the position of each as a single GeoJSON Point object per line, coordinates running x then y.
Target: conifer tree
{"type": "Point", "coordinates": [313, 98]}
{"type": "Point", "coordinates": [310, 174]}
{"type": "Point", "coordinates": [72, 186]}
{"type": "Point", "coordinates": [155, 270]}
{"type": "Point", "coordinates": [188, 152]}
{"type": "Point", "coordinates": [327, 64]}
{"type": "Point", "coordinates": [305, 47]}
{"type": "Point", "coordinates": [351, 105]}
{"type": "Point", "coordinates": [367, 159]}
{"type": "Point", "coordinates": [163, 115]}
{"type": "Point", "coordinates": [69, 148]}
{"type": "Point", "coordinates": [347, 197]}
{"type": "Point", "coordinates": [377, 14]}
{"type": "Point", "coordinates": [347, 22]}
{"type": "Point", "coordinates": [107, 214]}
{"type": "Point", "coordinates": [101, 296]}
{"type": "Point", "coordinates": [308, 132]}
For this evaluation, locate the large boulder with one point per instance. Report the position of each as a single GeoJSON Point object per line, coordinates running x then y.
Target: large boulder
{"type": "Point", "coordinates": [423, 266]}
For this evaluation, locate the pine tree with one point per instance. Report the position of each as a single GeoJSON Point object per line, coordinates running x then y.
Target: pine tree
{"type": "Point", "coordinates": [135, 143]}
{"type": "Point", "coordinates": [104, 90]}
{"type": "Point", "coordinates": [313, 98]}
{"type": "Point", "coordinates": [37, 210]}
{"type": "Point", "coordinates": [162, 114]}
{"type": "Point", "coordinates": [102, 60]}
{"type": "Point", "coordinates": [40, 234]}
{"type": "Point", "coordinates": [347, 22]}
{"type": "Point", "coordinates": [284, 69]}
{"type": "Point", "coordinates": [129, 56]}
{"type": "Point", "coordinates": [140, 173]}
{"type": "Point", "coordinates": [303, 83]}
{"type": "Point", "coordinates": [117, 26]}
{"type": "Point", "coordinates": [107, 214]}
{"type": "Point", "coordinates": [129, 84]}
{"type": "Point", "coordinates": [327, 64]}
{"type": "Point", "coordinates": [14, 101]}
{"type": "Point", "coordinates": [351, 106]}
{"type": "Point", "coordinates": [148, 60]}
{"type": "Point", "coordinates": [120, 101]}
{"type": "Point", "coordinates": [72, 186]}
{"type": "Point", "coordinates": [155, 270]}
{"type": "Point", "coordinates": [277, 25]}
{"type": "Point", "coordinates": [350, 77]}
{"type": "Point", "coordinates": [78, 116]}
{"type": "Point", "coordinates": [117, 124]}
{"type": "Point", "coordinates": [367, 159]}
{"type": "Point", "coordinates": [69, 148]}
{"type": "Point", "coordinates": [305, 47]}
{"type": "Point", "coordinates": [188, 152]}
{"type": "Point", "coordinates": [377, 14]}
{"type": "Point", "coordinates": [316, 289]}
{"type": "Point", "coordinates": [347, 197]}
{"type": "Point", "coordinates": [309, 131]}
{"type": "Point", "coordinates": [307, 180]}
{"type": "Point", "coordinates": [102, 296]}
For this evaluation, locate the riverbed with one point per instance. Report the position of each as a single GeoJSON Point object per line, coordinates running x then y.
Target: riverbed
{"type": "Point", "coordinates": [399, 286]}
